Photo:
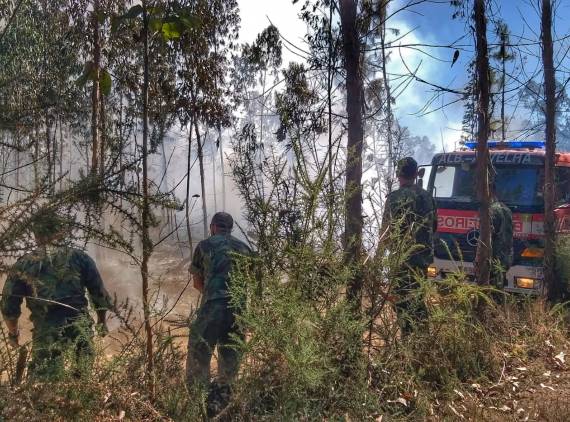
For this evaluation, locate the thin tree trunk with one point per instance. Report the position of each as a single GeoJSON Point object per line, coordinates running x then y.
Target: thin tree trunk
{"type": "Point", "coordinates": [552, 287]}
{"type": "Point", "coordinates": [222, 169]}
{"type": "Point", "coordinates": [48, 152]}
{"type": "Point", "coordinates": [187, 207]}
{"type": "Point", "coordinates": [95, 93]}
{"type": "Point", "coordinates": [103, 135]}
{"type": "Point", "coordinates": [330, 164]}
{"type": "Point", "coordinates": [202, 178]}
{"type": "Point", "coordinates": [389, 115]}
{"type": "Point", "coordinates": [503, 123]}
{"type": "Point", "coordinates": [146, 241]}
{"type": "Point", "coordinates": [213, 150]}
{"type": "Point", "coordinates": [61, 146]}
{"type": "Point", "coordinates": [354, 103]}
{"type": "Point", "coordinates": [482, 264]}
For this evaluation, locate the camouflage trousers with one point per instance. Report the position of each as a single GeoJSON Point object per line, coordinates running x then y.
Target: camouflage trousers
{"type": "Point", "coordinates": [410, 307]}
{"type": "Point", "coordinates": [214, 326]}
{"type": "Point", "coordinates": [55, 349]}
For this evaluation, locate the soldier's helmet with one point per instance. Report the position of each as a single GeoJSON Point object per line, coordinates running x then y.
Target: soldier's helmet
{"type": "Point", "coordinates": [47, 223]}
{"type": "Point", "coordinates": [223, 221]}
{"type": "Point", "coordinates": [407, 167]}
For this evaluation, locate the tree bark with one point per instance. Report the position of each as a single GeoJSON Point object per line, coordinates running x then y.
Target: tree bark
{"type": "Point", "coordinates": [482, 264]}
{"type": "Point", "coordinates": [214, 187]}
{"type": "Point", "coordinates": [187, 204]}
{"type": "Point", "coordinates": [389, 115]}
{"type": "Point", "coordinates": [330, 162]}
{"type": "Point", "coordinates": [504, 77]}
{"type": "Point", "coordinates": [222, 169]}
{"type": "Point", "coordinates": [202, 178]}
{"type": "Point", "coordinates": [95, 92]}
{"type": "Point", "coordinates": [146, 241]}
{"type": "Point", "coordinates": [552, 288]}
{"type": "Point", "coordinates": [102, 135]}
{"type": "Point", "coordinates": [353, 182]}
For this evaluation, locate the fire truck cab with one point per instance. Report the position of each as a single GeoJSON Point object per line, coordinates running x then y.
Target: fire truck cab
{"type": "Point", "coordinates": [519, 182]}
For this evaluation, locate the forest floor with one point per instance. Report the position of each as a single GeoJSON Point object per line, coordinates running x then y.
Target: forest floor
{"type": "Point", "coordinates": [531, 387]}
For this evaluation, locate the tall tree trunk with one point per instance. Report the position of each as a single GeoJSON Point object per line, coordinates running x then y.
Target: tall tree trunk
{"type": "Point", "coordinates": [187, 205]}
{"type": "Point", "coordinates": [49, 152]}
{"type": "Point", "coordinates": [222, 169]}
{"type": "Point", "coordinates": [103, 135]}
{"type": "Point", "coordinates": [552, 287]}
{"type": "Point", "coordinates": [482, 264]}
{"type": "Point", "coordinates": [214, 188]}
{"type": "Point", "coordinates": [504, 70]}
{"type": "Point", "coordinates": [146, 241]}
{"type": "Point", "coordinates": [95, 92]}
{"type": "Point", "coordinates": [202, 178]}
{"type": "Point", "coordinates": [389, 115]}
{"type": "Point", "coordinates": [330, 163]}
{"type": "Point", "coordinates": [354, 103]}
{"type": "Point", "coordinates": [61, 147]}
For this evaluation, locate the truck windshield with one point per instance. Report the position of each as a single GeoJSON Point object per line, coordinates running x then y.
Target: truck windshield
{"type": "Point", "coordinates": [516, 186]}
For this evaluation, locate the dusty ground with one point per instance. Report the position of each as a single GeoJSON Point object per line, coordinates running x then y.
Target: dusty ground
{"type": "Point", "coordinates": [530, 389]}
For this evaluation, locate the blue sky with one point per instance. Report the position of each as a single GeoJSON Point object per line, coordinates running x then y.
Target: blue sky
{"type": "Point", "coordinates": [430, 23]}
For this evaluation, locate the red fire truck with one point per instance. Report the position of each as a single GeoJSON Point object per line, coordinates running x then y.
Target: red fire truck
{"type": "Point", "coordinates": [519, 181]}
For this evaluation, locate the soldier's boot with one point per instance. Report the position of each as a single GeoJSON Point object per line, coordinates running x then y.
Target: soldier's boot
{"type": "Point", "coordinates": [219, 395]}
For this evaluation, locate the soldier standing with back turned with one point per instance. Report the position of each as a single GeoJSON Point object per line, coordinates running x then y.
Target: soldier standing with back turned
{"type": "Point", "coordinates": [410, 212]}
{"type": "Point", "coordinates": [215, 323]}
{"type": "Point", "coordinates": [54, 279]}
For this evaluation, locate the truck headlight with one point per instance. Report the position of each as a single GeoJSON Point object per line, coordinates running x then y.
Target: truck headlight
{"type": "Point", "coordinates": [533, 253]}
{"type": "Point", "coordinates": [432, 271]}
{"type": "Point", "coordinates": [524, 282]}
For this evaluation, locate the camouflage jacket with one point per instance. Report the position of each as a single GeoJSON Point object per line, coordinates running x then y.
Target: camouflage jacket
{"type": "Point", "coordinates": [54, 286]}
{"type": "Point", "coordinates": [411, 210]}
{"type": "Point", "coordinates": [502, 233]}
{"type": "Point", "coordinates": [213, 259]}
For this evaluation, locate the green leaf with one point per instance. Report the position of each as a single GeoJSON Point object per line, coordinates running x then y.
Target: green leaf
{"type": "Point", "coordinates": [155, 11]}
{"type": "Point", "coordinates": [115, 22]}
{"type": "Point", "coordinates": [82, 80]}
{"type": "Point", "coordinates": [105, 82]}
{"type": "Point", "coordinates": [87, 75]}
{"type": "Point", "coordinates": [155, 25]}
{"type": "Point", "coordinates": [189, 22]}
{"type": "Point", "coordinates": [171, 30]}
{"type": "Point", "coordinates": [101, 16]}
{"type": "Point", "coordinates": [133, 12]}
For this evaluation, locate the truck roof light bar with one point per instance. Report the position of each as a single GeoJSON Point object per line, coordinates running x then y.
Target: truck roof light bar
{"type": "Point", "coordinates": [509, 145]}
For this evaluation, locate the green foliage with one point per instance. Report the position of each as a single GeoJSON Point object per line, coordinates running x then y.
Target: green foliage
{"type": "Point", "coordinates": [303, 357]}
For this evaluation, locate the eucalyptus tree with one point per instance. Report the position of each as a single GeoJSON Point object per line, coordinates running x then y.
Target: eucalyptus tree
{"type": "Point", "coordinates": [482, 263]}
{"type": "Point", "coordinates": [552, 286]}
{"type": "Point", "coordinates": [203, 66]}
{"type": "Point", "coordinates": [504, 54]}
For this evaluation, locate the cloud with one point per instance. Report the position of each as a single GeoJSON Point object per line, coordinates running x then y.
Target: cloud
{"type": "Point", "coordinates": [442, 127]}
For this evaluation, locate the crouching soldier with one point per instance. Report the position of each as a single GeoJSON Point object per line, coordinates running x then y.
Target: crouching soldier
{"type": "Point", "coordinates": [216, 319]}
{"type": "Point", "coordinates": [54, 279]}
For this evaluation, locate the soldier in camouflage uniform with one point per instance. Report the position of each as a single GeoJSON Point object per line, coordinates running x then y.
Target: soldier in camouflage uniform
{"type": "Point", "coordinates": [501, 239]}
{"type": "Point", "coordinates": [410, 211]}
{"type": "Point", "coordinates": [215, 322]}
{"type": "Point", "coordinates": [53, 279]}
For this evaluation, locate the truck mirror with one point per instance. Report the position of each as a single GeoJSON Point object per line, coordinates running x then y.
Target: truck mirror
{"type": "Point", "coordinates": [421, 172]}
